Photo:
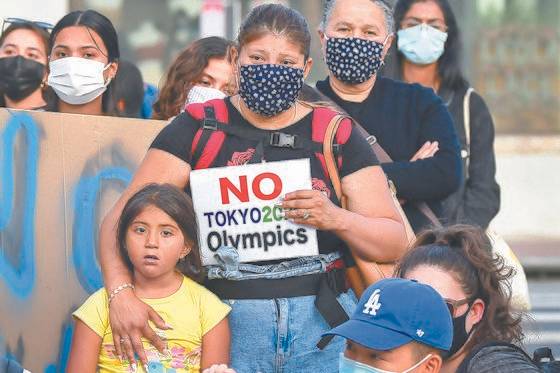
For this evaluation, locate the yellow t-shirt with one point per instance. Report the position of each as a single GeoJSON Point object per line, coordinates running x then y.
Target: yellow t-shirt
{"type": "Point", "coordinates": [191, 311]}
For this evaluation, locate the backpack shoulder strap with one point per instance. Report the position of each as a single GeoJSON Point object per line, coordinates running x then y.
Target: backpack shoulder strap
{"type": "Point", "coordinates": [467, 123]}
{"type": "Point", "coordinates": [208, 140]}
{"type": "Point", "coordinates": [332, 130]}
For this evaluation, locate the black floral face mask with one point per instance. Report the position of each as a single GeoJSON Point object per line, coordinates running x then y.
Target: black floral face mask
{"type": "Point", "coordinates": [353, 60]}
{"type": "Point", "coordinates": [269, 89]}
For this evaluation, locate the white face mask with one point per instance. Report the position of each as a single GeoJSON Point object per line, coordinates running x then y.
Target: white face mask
{"type": "Point", "coordinates": [199, 94]}
{"type": "Point", "coordinates": [76, 80]}
{"type": "Point", "coordinates": [421, 44]}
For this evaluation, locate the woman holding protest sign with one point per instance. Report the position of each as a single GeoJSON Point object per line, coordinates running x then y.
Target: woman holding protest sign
{"type": "Point", "coordinates": [23, 60]}
{"type": "Point", "coordinates": [84, 53]}
{"type": "Point", "coordinates": [410, 122]}
{"type": "Point", "coordinates": [281, 307]}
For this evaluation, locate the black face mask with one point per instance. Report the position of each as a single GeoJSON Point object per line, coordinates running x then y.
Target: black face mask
{"type": "Point", "coordinates": [460, 334]}
{"type": "Point", "coordinates": [20, 76]}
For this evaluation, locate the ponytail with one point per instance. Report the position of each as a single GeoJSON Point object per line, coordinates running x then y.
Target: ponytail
{"type": "Point", "coordinates": [466, 253]}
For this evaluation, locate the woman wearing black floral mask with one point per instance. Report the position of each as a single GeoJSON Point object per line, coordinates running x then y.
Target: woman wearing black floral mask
{"type": "Point", "coordinates": [23, 60]}
{"type": "Point", "coordinates": [275, 322]}
{"type": "Point", "coordinates": [410, 122]}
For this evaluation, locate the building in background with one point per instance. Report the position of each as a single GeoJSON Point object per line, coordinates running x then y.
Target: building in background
{"type": "Point", "coordinates": [512, 47]}
{"type": "Point", "coordinates": [36, 10]}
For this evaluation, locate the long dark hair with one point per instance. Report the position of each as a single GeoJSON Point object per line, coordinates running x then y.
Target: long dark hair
{"type": "Point", "coordinates": [465, 252]}
{"type": "Point", "coordinates": [97, 22]}
{"type": "Point", "coordinates": [175, 203]}
{"type": "Point", "coordinates": [128, 90]}
{"type": "Point", "coordinates": [41, 32]}
{"type": "Point", "coordinates": [185, 71]}
{"type": "Point", "coordinates": [449, 64]}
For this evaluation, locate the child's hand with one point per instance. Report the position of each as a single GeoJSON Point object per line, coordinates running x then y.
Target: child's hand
{"type": "Point", "coordinates": [221, 368]}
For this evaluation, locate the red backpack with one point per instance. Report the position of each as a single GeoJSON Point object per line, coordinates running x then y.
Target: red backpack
{"type": "Point", "coordinates": [215, 127]}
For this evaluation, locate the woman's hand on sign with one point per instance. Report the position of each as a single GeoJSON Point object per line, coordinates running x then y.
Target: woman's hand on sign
{"type": "Point", "coordinates": [312, 208]}
{"type": "Point", "coordinates": [129, 322]}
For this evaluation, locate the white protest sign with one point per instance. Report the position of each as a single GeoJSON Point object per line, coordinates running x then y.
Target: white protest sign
{"type": "Point", "coordinates": [236, 206]}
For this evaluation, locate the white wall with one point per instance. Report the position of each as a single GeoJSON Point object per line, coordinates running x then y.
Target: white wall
{"type": "Point", "coordinates": [36, 10]}
{"type": "Point", "coordinates": [528, 171]}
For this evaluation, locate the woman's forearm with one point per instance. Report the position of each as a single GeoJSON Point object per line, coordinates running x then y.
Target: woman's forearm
{"type": "Point", "coordinates": [115, 272]}
{"type": "Point", "coordinates": [377, 239]}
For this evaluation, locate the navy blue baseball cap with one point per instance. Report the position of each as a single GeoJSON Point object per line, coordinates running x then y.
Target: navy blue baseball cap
{"type": "Point", "coordinates": [393, 312]}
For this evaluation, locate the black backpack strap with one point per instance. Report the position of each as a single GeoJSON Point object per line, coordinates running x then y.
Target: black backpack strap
{"type": "Point", "coordinates": [275, 139]}
{"type": "Point", "coordinates": [209, 125]}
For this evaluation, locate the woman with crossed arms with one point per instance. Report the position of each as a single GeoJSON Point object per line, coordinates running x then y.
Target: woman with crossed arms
{"type": "Point", "coordinates": [410, 122]}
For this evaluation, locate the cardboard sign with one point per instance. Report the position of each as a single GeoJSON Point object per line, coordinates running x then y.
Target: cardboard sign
{"type": "Point", "coordinates": [59, 175]}
{"type": "Point", "coordinates": [236, 207]}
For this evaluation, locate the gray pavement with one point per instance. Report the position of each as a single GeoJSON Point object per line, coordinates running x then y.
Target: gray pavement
{"type": "Point", "coordinates": [543, 326]}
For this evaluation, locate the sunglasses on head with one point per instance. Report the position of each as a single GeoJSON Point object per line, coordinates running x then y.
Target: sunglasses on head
{"type": "Point", "coordinates": [453, 305]}
{"type": "Point", "coordinates": [20, 21]}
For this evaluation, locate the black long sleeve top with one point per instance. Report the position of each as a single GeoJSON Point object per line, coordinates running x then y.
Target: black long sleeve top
{"type": "Point", "coordinates": [478, 199]}
{"type": "Point", "coordinates": [403, 117]}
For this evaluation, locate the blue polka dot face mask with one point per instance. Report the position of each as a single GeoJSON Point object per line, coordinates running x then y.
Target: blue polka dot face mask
{"type": "Point", "coordinates": [354, 60]}
{"type": "Point", "coordinates": [269, 89]}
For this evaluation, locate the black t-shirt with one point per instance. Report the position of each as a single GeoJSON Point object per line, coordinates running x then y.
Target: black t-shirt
{"type": "Point", "coordinates": [177, 138]}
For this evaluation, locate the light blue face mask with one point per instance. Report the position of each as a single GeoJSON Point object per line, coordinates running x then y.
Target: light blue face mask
{"type": "Point", "coordinates": [421, 44]}
{"type": "Point", "coordinates": [346, 365]}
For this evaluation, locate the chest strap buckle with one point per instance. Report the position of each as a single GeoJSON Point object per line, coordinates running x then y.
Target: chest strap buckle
{"type": "Point", "coordinates": [283, 140]}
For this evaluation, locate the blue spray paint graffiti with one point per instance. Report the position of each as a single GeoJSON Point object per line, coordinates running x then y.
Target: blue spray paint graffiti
{"type": "Point", "coordinates": [20, 278]}
{"type": "Point", "coordinates": [85, 227]}
{"type": "Point", "coordinates": [64, 353]}
{"type": "Point", "coordinates": [25, 141]}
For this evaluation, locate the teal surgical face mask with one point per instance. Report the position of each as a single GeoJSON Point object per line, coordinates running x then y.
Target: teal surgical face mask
{"type": "Point", "coordinates": [421, 44]}
{"type": "Point", "coordinates": [346, 365]}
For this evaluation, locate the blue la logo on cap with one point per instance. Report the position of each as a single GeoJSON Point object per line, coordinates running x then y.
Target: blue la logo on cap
{"type": "Point", "coordinates": [393, 312]}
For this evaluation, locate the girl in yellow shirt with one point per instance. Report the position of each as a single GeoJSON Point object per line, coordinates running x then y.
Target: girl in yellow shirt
{"type": "Point", "coordinates": [157, 238]}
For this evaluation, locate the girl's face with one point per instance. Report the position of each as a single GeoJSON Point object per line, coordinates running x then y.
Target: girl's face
{"type": "Point", "coordinates": [82, 42]}
{"type": "Point", "coordinates": [218, 74]}
{"type": "Point", "coordinates": [427, 12]}
{"type": "Point", "coordinates": [25, 43]}
{"type": "Point", "coordinates": [276, 50]}
{"type": "Point", "coordinates": [155, 243]}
